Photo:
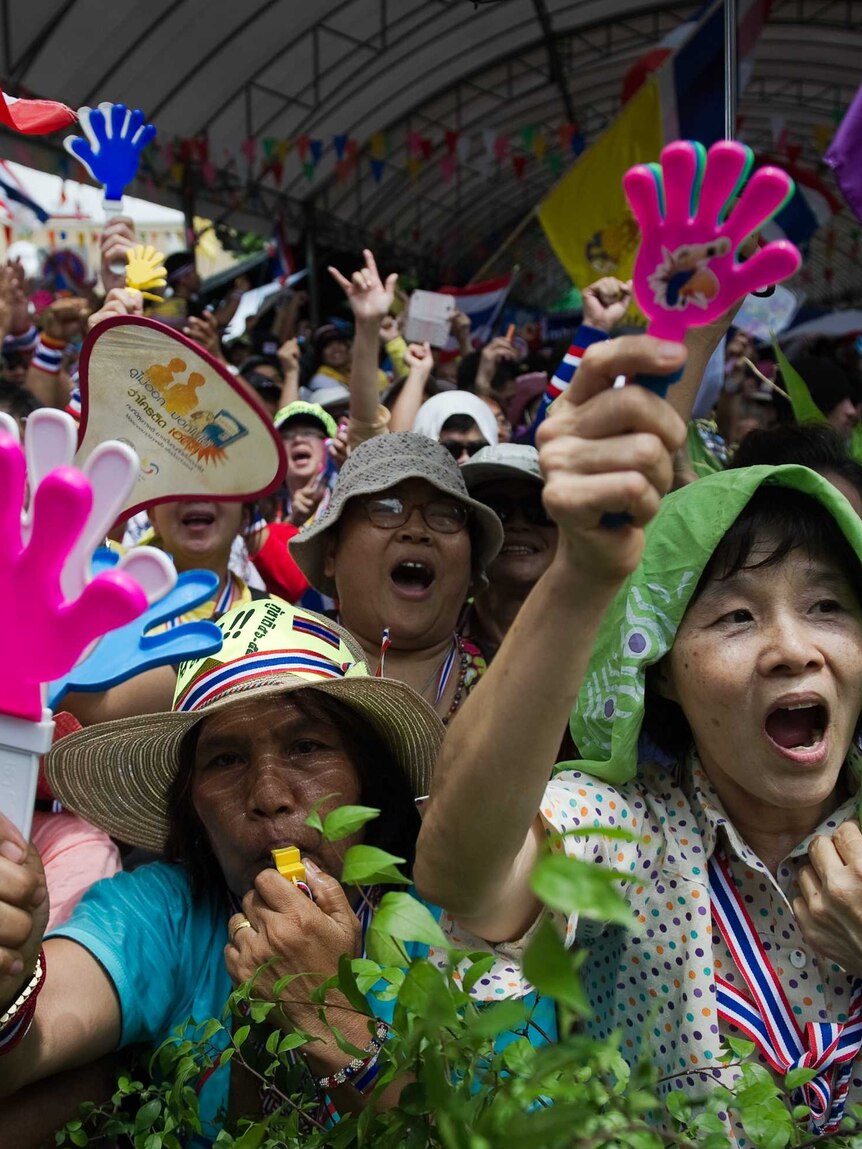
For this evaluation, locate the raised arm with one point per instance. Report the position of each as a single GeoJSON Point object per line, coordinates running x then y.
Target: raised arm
{"type": "Point", "coordinates": [602, 450]}
{"type": "Point", "coordinates": [420, 364]}
{"type": "Point", "coordinates": [77, 1017]}
{"type": "Point", "coordinates": [370, 299]}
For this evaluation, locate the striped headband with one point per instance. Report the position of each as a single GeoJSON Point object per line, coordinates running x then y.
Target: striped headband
{"type": "Point", "coordinates": [225, 677]}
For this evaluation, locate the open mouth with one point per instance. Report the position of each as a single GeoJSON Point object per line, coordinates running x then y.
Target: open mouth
{"type": "Point", "coordinates": [300, 456]}
{"type": "Point", "coordinates": [798, 726]}
{"type": "Point", "coordinates": [198, 518]}
{"type": "Point", "coordinates": [412, 577]}
{"type": "Point", "coordinates": [517, 549]}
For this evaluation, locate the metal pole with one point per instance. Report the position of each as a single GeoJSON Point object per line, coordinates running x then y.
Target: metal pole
{"type": "Point", "coordinates": [731, 73]}
{"type": "Point", "coordinates": [311, 262]}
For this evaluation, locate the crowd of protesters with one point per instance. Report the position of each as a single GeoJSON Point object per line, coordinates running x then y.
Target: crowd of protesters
{"type": "Point", "coordinates": [488, 646]}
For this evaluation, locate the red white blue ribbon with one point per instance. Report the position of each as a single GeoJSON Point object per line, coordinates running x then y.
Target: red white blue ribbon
{"type": "Point", "coordinates": [766, 1018]}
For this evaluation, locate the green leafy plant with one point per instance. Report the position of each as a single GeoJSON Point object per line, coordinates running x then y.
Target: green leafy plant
{"type": "Point", "coordinates": [461, 1088]}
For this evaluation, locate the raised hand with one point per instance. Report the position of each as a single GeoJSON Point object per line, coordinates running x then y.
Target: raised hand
{"type": "Point", "coordinates": [48, 630]}
{"type": "Point", "coordinates": [605, 302]}
{"type": "Point", "coordinates": [692, 226]}
{"type": "Point", "coordinates": [419, 359]}
{"type": "Point", "coordinates": [118, 301]}
{"type": "Point", "coordinates": [23, 911]}
{"type": "Point", "coordinates": [112, 150]}
{"type": "Point", "coordinates": [369, 297]}
{"type": "Point", "coordinates": [130, 650]}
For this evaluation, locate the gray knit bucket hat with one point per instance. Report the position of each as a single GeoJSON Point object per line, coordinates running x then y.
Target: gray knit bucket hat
{"type": "Point", "coordinates": [378, 464]}
{"type": "Point", "coordinates": [504, 461]}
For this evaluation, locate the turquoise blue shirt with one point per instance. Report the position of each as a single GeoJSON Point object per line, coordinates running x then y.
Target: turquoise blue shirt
{"type": "Point", "coordinates": [164, 952]}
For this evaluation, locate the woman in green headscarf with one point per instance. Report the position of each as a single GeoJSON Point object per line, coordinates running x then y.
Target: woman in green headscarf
{"type": "Point", "coordinates": [728, 636]}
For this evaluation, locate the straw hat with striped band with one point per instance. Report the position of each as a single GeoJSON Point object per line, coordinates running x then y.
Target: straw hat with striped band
{"type": "Point", "coordinates": [117, 775]}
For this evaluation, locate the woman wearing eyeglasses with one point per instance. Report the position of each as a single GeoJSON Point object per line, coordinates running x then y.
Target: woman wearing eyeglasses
{"type": "Point", "coordinates": [401, 548]}
{"type": "Point", "coordinates": [508, 480]}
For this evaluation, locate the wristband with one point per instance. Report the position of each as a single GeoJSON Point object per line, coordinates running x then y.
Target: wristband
{"type": "Point", "coordinates": [48, 355]}
{"type": "Point", "coordinates": [24, 342]}
{"type": "Point", "coordinates": [16, 1021]}
{"type": "Point", "coordinates": [358, 1071]}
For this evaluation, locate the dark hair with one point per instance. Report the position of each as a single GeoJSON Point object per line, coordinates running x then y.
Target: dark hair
{"type": "Point", "coordinates": [460, 424]}
{"type": "Point", "coordinates": [787, 520]}
{"type": "Point", "coordinates": [814, 445]}
{"type": "Point", "coordinates": [17, 402]}
{"type": "Point", "coordinates": [383, 786]}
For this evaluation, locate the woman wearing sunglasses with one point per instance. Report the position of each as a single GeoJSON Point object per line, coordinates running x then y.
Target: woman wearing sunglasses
{"type": "Point", "coordinates": [508, 480]}
{"type": "Point", "coordinates": [401, 548]}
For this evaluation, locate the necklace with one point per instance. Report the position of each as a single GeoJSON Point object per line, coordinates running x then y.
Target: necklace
{"type": "Point", "coordinates": [462, 677]}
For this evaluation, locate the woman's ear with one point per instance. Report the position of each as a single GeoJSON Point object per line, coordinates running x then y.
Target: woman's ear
{"type": "Point", "coordinates": [329, 559]}
{"type": "Point", "coordinates": [661, 680]}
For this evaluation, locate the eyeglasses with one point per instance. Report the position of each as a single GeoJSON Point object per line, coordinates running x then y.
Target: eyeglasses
{"type": "Point", "coordinates": [456, 449]}
{"type": "Point", "coordinates": [442, 515]}
{"type": "Point", "coordinates": [301, 432]}
{"type": "Point", "coordinates": [531, 508]}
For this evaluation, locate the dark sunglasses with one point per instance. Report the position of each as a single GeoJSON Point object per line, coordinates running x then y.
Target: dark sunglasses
{"type": "Point", "coordinates": [442, 515]}
{"type": "Point", "coordinates": [456, 449]}
{"type": "Point", "coordinates": [531, 508]}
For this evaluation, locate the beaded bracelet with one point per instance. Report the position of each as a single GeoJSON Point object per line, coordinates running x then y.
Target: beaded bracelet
{"type": "Point", "coordinates": [359, 1064]}
{"type": "Point", "coordinates": [18, 1018]}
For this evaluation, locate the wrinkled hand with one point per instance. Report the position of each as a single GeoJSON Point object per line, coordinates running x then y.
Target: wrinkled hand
{"type": "Point", "coordinates": [204, 330]}
{"type": "Point", "coordinates": [117, 240]}
{"type": "Point", "coordinates": [696, 233]}
{"type": "Point", "coordinates": [145, 269]}
{"type": "Point", "coordinates": [419, 359]}
{"type": "Point", "coordinates": [606, 301]}
{"type": "Point", "coordinates": [829, 910]}
{"type": "Point", "coordinates": [112, 150]}
{"type": "Point", "coordinates": [131, 650]}
{"type": "Point", "coordinates": [65, 319]}
{"type": "Point", "coordinates": [305, 938]}
{"type": "Point", "coordinates": [49, 631]}
{"type": "Point", "coordinates": [370, 299]}
{"type": "Point", "coordinates": [23, 911]}
{"type": "Point", "coordinates": [306, 500]}
{"type": "Point", "coordinates": [118, 301]}
{"type": "Point", "coordinates": [606, 451]}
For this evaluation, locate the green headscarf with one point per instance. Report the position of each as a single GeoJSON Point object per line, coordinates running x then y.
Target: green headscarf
{"type": "Point", "coordinates": [641, 624]}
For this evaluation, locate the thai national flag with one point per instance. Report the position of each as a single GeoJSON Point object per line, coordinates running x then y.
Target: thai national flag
{"type": "Point", "coordinates": [284, 263]}
{"type": "Point", "coordinates": [16, 201]}
{"type": "Point", "coordinates": [34, 117]}
{"type": "Point", "coordinates": [482, 302]}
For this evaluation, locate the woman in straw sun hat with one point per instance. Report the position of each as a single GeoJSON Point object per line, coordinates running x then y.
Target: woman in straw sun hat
{"type": "Point", "coordinates": [284, 720]}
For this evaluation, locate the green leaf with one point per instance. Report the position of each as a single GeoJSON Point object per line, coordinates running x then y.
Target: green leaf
{"type": "Point", "coordinates": [805, 410]}
{"type": "Point", "coordinates": [497, 1016]}
{"type": "Point", "coordinates": [797, 1077]}
{"type": "Point", "coordinates": [426, 993]}
{"type": "Point", "coordinates": [291, 1041]}
{"type": "Point", "coordinates": [347, 985]}
{"type": "Point", "coordinates": [240, 1036]}
{"type": "Point", "coordinates": [739, 1047]}
{"type": "Point", "coordinates": [478, 969]}
{"type": "Point", "coordinates": [252, 1138]}
{"type": "Point", "coordinates": [146, 1116]}
{"type": "Point", "coordinates": [769, 1125]}
{"type": "Point", "coordinates": [154, 1141]}
{"type": "Point", "coordinates": [678, 1105]}
{"type": "Point", "coordinates": [403, 917]}
{"type": "Point", "coordinates": [346, 820]}
{"type": "Point", "coordinates": [366, 865]}
{"type": "Point", "coordinates": [574, 886]}
{"type": "Point", "coordinates": [552, 969]}
{"type": "Point", "coordinates": [383, 948]}
{"type": "Point", "coordinates": [313, 818]}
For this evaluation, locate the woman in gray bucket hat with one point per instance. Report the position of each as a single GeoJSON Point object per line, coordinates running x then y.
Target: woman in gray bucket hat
{"type": "Point", "coordinates": [401, 548]}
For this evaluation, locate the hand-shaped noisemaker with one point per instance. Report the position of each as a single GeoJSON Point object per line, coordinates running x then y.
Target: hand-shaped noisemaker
{"type": "Point", "coordinates": [692, 224]}
{"type": "Point", "coordinates": [131, 650]}
{"type": "Point", "coordinates": [145, 268]}
{"type": "Point", "coordinates": [112, 150]}
{"type": "Point", "coordinates": [48, 626]}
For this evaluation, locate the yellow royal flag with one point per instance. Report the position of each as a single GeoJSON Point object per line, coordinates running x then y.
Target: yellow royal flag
{"type": "Point", "coordinates": [586, 215]}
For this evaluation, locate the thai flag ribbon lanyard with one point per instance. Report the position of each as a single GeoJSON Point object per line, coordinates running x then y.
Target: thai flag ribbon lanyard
{"type": "Point", "coordinates": [766, 1018]}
